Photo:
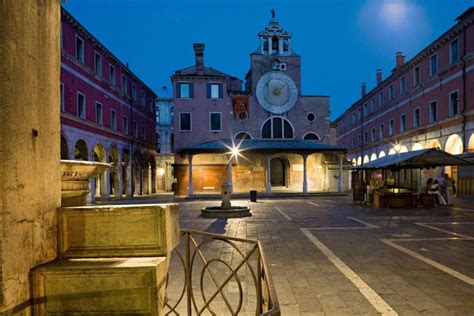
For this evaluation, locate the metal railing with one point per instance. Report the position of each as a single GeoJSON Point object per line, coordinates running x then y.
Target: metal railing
{"type": "Point", "coordinates": [222, 276]}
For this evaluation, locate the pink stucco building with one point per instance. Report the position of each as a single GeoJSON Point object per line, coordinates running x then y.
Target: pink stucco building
{"type": "Point", "coordinates": [425, 102]}
{"type": "Point", "coordinates": [284, 135]}
{"type": "Point", "coordinates": [107, 113]}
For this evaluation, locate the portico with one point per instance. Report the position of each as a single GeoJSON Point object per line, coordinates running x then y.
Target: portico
{"type": "Point", "coordinates": [267, 166]}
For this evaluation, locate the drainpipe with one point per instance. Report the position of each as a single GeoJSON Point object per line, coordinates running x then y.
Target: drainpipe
{"type": "Point", "coordinates": [132, 186]}
{"type": "Point", "coordinates": [363, 194]}
{"type": "Point", "coordinates": [464, 98]}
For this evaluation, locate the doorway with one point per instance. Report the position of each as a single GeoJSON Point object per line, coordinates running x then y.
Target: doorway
{"type": "Point", "coordinates": [278, 172]}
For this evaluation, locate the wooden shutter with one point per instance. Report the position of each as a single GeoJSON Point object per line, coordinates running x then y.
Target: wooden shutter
{"type": "Point", "coordinates": [178, 90]}
{"type": "Point", "coordinates": [220, 91]}
{"type": "Point", "coordinates": [209, 88]}
{"type": "Point", "coordinates": [191, 90]}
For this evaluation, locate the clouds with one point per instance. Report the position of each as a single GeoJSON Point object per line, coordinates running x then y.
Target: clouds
{"type": "Point", "coordinates": [389, 26]}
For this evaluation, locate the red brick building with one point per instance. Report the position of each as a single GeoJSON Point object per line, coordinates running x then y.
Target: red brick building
{"type": "Point", "coordinates": [427, 101]}
{"type": "Point", "coordinates": [107, 113]}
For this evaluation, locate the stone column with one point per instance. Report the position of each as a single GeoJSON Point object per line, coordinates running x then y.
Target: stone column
{"type": "Point", "coordinates": [268, 178]}
{"type": "Point", "coordinates": [190, 175]}
{"type": "Point", "coordinates": [153, 179]}
{"type": "Point", "coordinates": [128, 190]}
{"type": "Point", "coordinates": [30, 187]}
{"type": "Point", "coordinates": [144, 180]}
{"type": "Point", "coordinates": [280, 46]}
{"type": "Point", "coordinates": [339, 180]}
{"type": "Point", "coordinates": [118, 185]}
{"type": "Point", "coordinates": [105, 181]}
{"type": "Point", "coordinates": [229, 174]}
{"type": "Point", "coordinates": [305, 174]}
{"type": "Point", "coordinates": [92, 183]}
{"type": "Point", "coordinates": [150, 179]}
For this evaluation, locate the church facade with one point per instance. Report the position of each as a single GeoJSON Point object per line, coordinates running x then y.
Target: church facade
{"type": "Point", "coordinates": [264, 135]}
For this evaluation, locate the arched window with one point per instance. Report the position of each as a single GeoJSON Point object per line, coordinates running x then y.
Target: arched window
{"type": "Point", "coordinates": [311, 136]}
{"type": "Point", "coordinates": [275, 45]}
{"type": "Point", "coordinates": [285, 45]}
{"type": "Point", "coordinates": [265, 45]}
{"type": "Point", "coordinates": [277, 128]}
{"type": "Point", "coordinates": [242, 135]}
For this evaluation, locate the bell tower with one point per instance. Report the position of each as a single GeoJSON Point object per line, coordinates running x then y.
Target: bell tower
{"type": "Point", "coordinates": [274, 40]}
{"type": "Point", "coordinates": [274, 55]}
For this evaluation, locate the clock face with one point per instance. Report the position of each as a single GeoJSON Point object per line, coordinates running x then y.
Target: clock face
{"type": "Point", "coordinates": [276, 92]}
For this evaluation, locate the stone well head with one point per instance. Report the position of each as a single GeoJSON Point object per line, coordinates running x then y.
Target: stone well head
{"type": "Point", "coordinates": [75, 178]}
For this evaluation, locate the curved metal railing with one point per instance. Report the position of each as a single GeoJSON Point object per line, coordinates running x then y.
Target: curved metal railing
{"type": "Point", "coordinates": [222, 275]}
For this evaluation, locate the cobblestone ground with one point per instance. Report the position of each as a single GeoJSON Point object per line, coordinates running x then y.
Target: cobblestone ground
{"type": "Point", "coordinates": [328, 256]}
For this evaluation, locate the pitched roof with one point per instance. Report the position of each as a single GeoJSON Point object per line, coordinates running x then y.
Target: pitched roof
{"type": "Point", "coordinates": [261, 145]}
{"type": "Point", "coordinates": [208, 72]}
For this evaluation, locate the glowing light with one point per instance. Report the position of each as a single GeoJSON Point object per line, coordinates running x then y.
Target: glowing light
{"type": "Point", "coordinates": [382, 154]}
{"type": "Point", "coordinates": [161, 171]}
{"type": "Point", "coordinates": [397, 148]}
{"type": "Point", "coordinates": [235, 151]}
{"type": "Point", "coordinates": [417, 146]}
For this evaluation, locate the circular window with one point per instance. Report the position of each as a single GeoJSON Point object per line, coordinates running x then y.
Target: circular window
{"type": "Point", "coordinates": [311, 117]}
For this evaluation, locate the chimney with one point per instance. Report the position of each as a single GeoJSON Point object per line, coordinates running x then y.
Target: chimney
{"type": "Point", "coordinates": [400, 59]}
{"type": "Point", "coordinates": [199, 55]}
{"type": "Point", "coordinates": [363, 89]}
{"type": "Point", "coordinates": [379, 76]}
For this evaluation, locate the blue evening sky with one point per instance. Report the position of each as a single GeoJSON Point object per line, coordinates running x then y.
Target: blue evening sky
{"type": "Point", "coordinates": [341, 42]}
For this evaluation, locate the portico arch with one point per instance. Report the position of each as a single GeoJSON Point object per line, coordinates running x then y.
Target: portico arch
{"type": "Point", "coordinates": [373, 157]}
{"type": "Point", "coordinates": [382, 154]}
{"type": "Point", "coordinates": [454, 145]}
{"type": "Point", "coordinates": [126, 184]}
{"type": "Point", "coordinates": [470, 146]}
{"type": "Point", "coordinates": [64, 148]}
{"type": "Point", "coordinates": [114, 176]}
{"type": "Point", "coordinates": [99, 181]}
{"type": "Point", "coordinates": [434, 143]}
{"type": "Point", "coordinates": [366, 159]}
{"type": "Point", "coordinates": [417, 146]}
{"type": "Point", "coordinates": [137, 173]}
{"type": "Point", "coordinates": [81, 150]}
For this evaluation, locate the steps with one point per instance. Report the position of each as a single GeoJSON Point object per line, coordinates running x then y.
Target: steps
{"type": "Point", "coordinates": [111, 260]}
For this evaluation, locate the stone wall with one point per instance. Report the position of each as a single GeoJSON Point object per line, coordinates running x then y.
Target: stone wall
{"type": "Point", "coordinates": [29, 143]}
{"type": "Point", "coordinates": [249, 173]}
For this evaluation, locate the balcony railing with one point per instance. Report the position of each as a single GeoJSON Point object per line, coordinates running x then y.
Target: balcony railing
{"type": "Point", "coordinates": [219, 275]}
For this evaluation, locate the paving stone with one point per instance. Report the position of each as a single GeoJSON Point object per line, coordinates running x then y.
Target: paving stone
{"type": "Point", "coordinates": [307, 283]}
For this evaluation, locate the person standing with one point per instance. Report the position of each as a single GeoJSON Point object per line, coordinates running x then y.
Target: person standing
{"type": "Point", "coordinates": [449, 187]}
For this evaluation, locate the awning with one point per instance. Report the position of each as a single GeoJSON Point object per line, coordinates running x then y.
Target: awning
{"type": "Point", "coordinates": [417, 159]}
{"type": "Point", "coordinates": [262, 146]}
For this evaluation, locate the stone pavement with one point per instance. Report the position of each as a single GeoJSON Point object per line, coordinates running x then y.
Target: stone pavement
{"type": "Point", "coordinates": [330, 257]}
